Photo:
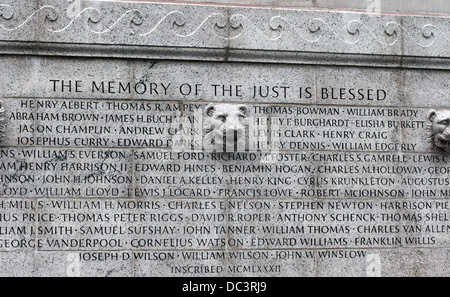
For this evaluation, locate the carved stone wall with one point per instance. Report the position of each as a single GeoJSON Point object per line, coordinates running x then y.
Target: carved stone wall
{"type": "Point", "coordinates": [106, 105]}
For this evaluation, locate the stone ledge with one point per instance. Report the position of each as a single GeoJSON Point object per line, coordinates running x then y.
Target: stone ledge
{"type": "Point", "coordinates": [223, 33]}
{"type": "Point", "coordinates": [417, 7]}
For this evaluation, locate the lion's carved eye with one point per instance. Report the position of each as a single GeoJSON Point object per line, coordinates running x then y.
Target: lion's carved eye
{"type": "Point", "coordinates": [444, 122]}
{"type": "Point", "coordinates": [222, 118]}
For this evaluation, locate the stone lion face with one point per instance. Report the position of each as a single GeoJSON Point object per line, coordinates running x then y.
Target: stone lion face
{"type": "Point", "coordinates": [439, 129]}
{"type": "Point", "coordinates": [224, 127]}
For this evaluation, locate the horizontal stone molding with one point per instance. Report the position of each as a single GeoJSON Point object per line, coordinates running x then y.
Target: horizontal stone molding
{"type": "Point", "coordinates": [222, 33]}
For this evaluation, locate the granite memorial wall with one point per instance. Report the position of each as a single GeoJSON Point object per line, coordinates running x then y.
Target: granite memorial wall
{"type": "Point", "coordinates": [165, 139]}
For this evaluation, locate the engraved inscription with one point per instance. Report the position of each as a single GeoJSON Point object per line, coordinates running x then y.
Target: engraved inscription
{"type": "Point", "coordinates": [167, 174]}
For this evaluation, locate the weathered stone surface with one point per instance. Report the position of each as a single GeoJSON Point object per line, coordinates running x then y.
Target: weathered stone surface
{"type": "Point", "coordinates": [413, 6]}
{"type": "Point", "coordinates": [385, 263]}
{"type": "Point", "coordinates": [17, 264]}
{"type": "Point", "coordinates": [18, 20]}
{"type": "Point", "coordinates": [82, 264]}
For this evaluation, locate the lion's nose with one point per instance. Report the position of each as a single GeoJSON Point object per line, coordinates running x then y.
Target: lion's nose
{"type": "Point", "coordinates": [234, 129]}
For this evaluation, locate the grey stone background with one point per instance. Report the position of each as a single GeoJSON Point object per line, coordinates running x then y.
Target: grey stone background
{"type": "Point", "coordinates": [402, 6]}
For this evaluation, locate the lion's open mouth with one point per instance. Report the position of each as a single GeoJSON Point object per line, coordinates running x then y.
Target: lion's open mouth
{"type": "Point", "coordinates": [444, 142]}
{"type": "Point", "coordinates": [231, 135]}
{"type": "Point", "coordinates": [231, 140]}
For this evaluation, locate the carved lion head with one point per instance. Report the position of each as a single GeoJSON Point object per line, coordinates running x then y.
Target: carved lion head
{"type": "Point", "coordinates": [224, 127]}
{"type": "Point", "coordinates": [439, 130]}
